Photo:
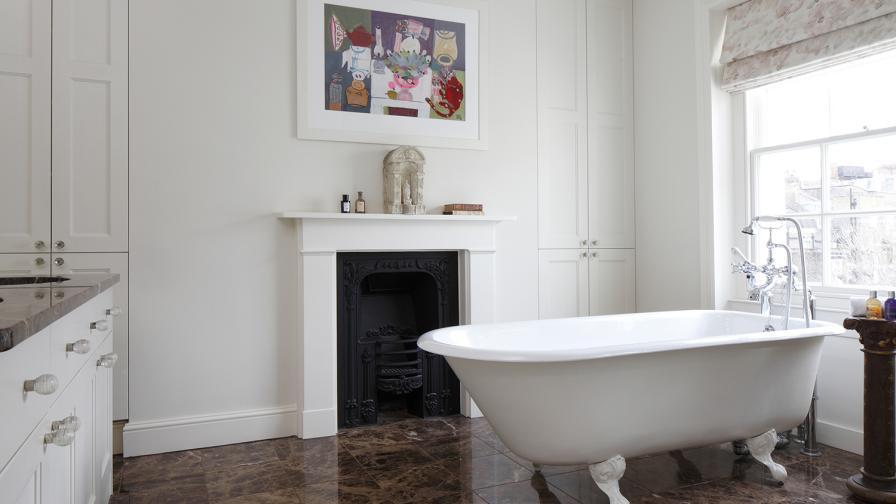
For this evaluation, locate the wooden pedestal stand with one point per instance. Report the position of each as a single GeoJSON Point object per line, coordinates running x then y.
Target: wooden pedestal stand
{"type": "Point", "coordinates": [877, 480]}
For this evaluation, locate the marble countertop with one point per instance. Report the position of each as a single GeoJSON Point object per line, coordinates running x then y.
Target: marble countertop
{"type": "Point", "coordinates": [27, 308]}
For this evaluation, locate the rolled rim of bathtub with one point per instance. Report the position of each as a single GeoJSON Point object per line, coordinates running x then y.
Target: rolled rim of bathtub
{"type": "Point", "coordinates": [585, 338]}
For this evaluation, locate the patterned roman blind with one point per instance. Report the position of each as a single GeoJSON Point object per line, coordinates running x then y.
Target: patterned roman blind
{"type": "Point", "coordinates": [769, 40]}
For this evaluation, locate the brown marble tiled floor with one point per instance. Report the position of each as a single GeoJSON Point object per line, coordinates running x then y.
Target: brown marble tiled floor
{"type": "Point", "coordinates": [455, 460]}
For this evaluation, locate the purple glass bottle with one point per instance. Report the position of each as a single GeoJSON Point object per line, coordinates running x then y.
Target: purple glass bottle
{"type": "Point", "coordinates": [890, 306]}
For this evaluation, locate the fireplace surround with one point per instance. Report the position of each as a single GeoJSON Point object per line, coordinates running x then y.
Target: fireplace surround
{"type": "Point", "coordinates": [321, 236]}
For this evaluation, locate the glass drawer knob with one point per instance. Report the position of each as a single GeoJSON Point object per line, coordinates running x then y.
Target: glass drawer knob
{"type": "Point", "coordinates": [68, 424]}
{"type": "Point", "coordinates": [82, 346]}
{"type": "Point", "coordinates": [44, 384]}
{"type": "Point", "coordinates": [100, 325]}
{"type": "Point", "coordinates": [107, 361]}
{"type": "Point", "coordinates": [59, 438]}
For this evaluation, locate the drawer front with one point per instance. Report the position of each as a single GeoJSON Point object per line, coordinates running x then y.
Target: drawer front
{"type": "Point", "coordinates": [77, 327]}
{"type": "Point", "coordinates": [21, 411]}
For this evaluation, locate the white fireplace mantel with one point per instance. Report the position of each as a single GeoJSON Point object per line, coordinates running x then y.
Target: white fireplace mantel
{"type": "Point", "coordinates": [322, 235]}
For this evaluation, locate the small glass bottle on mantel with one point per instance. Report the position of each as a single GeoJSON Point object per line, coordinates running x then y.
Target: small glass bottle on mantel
{"type": "Point", "coordinates": [360, 204]}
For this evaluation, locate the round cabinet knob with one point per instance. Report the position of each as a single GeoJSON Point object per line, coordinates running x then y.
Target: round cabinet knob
{"type": "Point", "coordinates": [59, 438]}
{"type": "Point", "coordinates": [59, 244]}
{"type": "Point", "coordinates": [39, 261]}
{"type": "Point", "coordinates": [58, 294]}
{"type": "Point", "coordinates": [40, 245]}
{"type": "Point", "coordinates": [108, 360]}
{"type": "Point", "coordinates": [82, 346]}
{"type": "Point", "coordinates": [114, 311]}
{"type": "Point", "coordinates": [584, 242]}
{"type": "Point", "coordinates": [595, 254]}
{"type": "Point", "coordinates": [595, 243]}
{"type": "Point", "coordinates": [59, 261]}
{"type": "Point", "coordinates": [44, 384]}
{"type": "Point", "coordinates": [68, 424]}
{"type": "Point", "coordinates": [100, 325]}
{"type": "Point", "coordinates": [584, 254]}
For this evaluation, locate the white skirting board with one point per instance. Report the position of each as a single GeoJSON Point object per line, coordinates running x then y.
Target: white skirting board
{"type": "Point", "coordinates": [841, 437]}
{"type": "Point", "coordinates": [185, 433]}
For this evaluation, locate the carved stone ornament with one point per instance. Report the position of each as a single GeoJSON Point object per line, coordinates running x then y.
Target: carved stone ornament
{"type": "Point", "coordinates": [403, 171]}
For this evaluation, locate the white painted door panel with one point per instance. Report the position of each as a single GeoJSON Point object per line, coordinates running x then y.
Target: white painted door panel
{"type": "Point", "coordinates": [108, 263]}
{"type": "Point", "coordinates": [562, 124]}
{"type": "Point", "coordinates": [57, 483]}
{"type": "Point", "coordinates": [25, 65]}
{"type": "Point", "coordinates": [611, 182]}
{"type": "Point", "coordinates": [611, 172]}
{"type": "Point", "coordinates": [612, 281]}
{"type": "Point", "coordinates": [83, 449]}
{"type": "Point", "coordinates": [103, 434]}
{"type": "Point", "coordinates": [562, 283]}
{"type": "Point", "coordinates": [21, 479]}
{"type": "Point", "coordinates": [90, 125]}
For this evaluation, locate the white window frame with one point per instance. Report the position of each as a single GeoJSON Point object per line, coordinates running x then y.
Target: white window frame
{"type": "Point", "coordinates": [825, 214]}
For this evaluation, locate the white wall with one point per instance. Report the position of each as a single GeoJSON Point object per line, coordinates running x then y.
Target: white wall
{"type": "Point", "coordinates": [214, 156]}
{"type": "Point", "coordinates": [667, 216]}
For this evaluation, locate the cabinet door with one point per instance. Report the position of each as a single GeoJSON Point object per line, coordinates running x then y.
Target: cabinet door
{"type": "Point", "coordinates": [25, 125]}
{"type": "Point", "coordinates": [83, 449]}
{"type": "Point", "coordinates": [90, 125]}
{"type": "Point", "coordinates": [21, 481]}
{"type": "Point", "coordinates": [562, 283]}
{"type": "Point", "coordinates": [612, 281]}
{"type": "Point", "coordinates": [562, 124]}
{"type": "Point", "coordinates": [24, 264]}
{"type": "Point", "coordinates": [102, 414]}
{"type": "Point", "coordinates": [58, 478]}
{"type": "Point", "coordinates": [108, 263]}
{"type": "Point", "coordinates": [611, 174]}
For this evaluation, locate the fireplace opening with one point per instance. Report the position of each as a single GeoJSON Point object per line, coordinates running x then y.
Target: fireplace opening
{"type": "Point", "coordinates": [386, 302]}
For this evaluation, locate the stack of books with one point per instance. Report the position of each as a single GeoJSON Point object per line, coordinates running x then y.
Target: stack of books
{"type": "Point", "coordinates": [463, 209]}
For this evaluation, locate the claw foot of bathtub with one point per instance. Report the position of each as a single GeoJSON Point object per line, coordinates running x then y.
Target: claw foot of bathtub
{"type": "Point", "coordinates": [537, 467]}
{"type": "Point", "coordinates": [607, 475]}
{"type": "Point", "coordinates": [761, 448]}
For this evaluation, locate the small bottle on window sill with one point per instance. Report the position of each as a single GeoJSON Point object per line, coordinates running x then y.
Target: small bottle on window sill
{"type": "Point", "coordinates": [360, 204]}
{"type": "Point", "coordinates": [346, 204]}
{"type": "Point", "coordinates": [890, 306]}
{"type": "Point", "coordinates": [873, 307]}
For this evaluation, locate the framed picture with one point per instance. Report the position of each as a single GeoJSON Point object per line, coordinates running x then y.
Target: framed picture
{"type": "Point", "coordinates": [392, 72]}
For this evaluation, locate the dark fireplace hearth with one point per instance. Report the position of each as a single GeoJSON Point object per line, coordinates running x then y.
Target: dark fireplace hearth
{"type": "Point", "coordinates": [386, 300]}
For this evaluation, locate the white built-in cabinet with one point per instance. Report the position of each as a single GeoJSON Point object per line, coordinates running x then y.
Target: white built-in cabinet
{"type": "Point", "coordinates": [42, 462]}
{"type": "Point", "coordinates": [64, 139]}
{"type": "Point", "coordinates": [585, 158]}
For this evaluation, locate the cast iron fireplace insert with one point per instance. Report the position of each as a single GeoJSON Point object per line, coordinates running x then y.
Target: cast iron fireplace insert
{"type": "Point", "coordinates": [386, 301]}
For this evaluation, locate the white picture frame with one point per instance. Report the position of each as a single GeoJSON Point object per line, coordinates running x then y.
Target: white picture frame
{"type": "Point", "coordinates": [316, 122]}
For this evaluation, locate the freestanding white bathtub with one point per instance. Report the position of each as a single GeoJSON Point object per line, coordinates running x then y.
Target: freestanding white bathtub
{"type": "Point", "coordinates": [594, 390]}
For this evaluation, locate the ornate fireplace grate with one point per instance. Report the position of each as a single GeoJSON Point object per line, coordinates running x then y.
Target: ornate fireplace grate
{"type": "Point", "coordinates": [399, 366]}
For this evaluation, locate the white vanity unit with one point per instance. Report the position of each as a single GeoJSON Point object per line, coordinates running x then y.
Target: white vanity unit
{"type": "Point", "coordinates": [56, 360]}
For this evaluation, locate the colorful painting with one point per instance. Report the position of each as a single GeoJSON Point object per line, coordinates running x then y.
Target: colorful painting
{"type": "Point", "coordinates": [393, 64]}
{"type": "Point", "coordinates": [390, 71]}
